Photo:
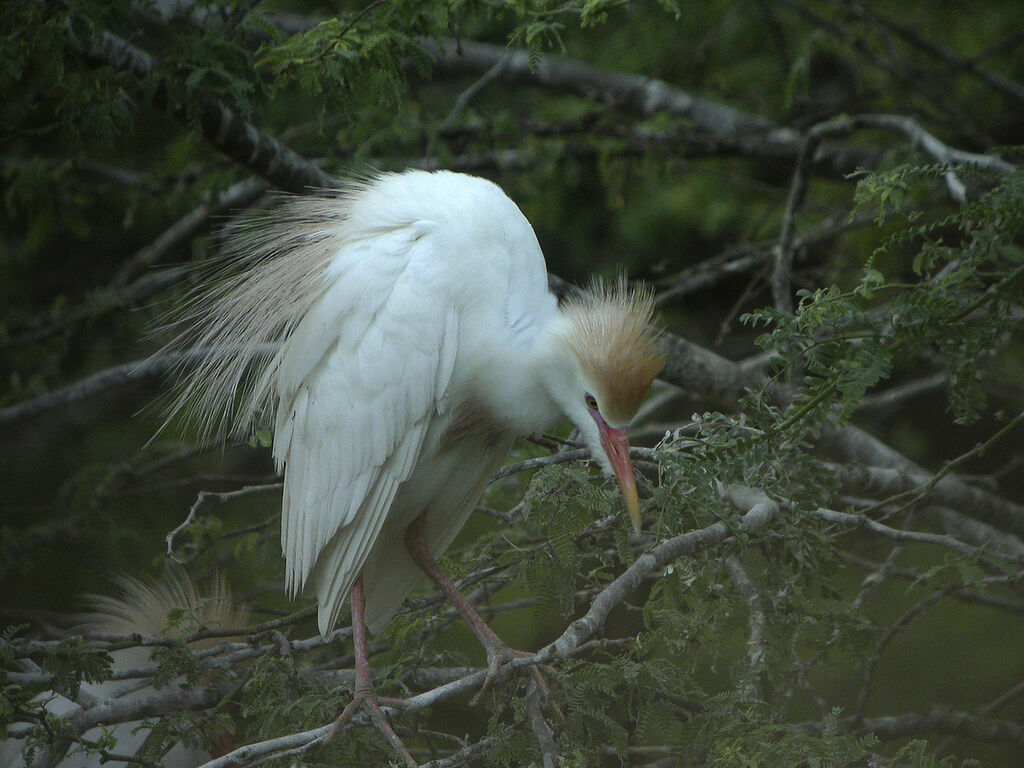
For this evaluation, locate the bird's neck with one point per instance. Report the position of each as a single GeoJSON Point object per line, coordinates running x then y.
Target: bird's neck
{"type": "Point", "coordinates": [511, 391]}
{"type": "Point", "coordinates": [549, 377]}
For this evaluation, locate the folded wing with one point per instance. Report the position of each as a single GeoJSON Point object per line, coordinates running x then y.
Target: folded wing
{"type": "Point", "coordinates": [360, 380]}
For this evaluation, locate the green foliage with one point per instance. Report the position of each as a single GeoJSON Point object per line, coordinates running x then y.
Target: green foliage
{"type": "Point", "coordinates": [276, 698]}
{"type": "Point", "coordinates": [46, 90]}
{"type": "Point", "coordinates": [276, 702]}
{"type": "Point", "coordinates": [173, 661]}
{"type": "Point", "coordinates": [191, 729]}
{"type": "Point", "coordinates": [969, 270]}
{"type": "Point", "coordinates": [206, 61]}
{"type": "Point", "coordinates": [71, 664]}
{"type": "Point", "coordinates": [746, 734]}
{"type": "Point", "coordinates": [561, 504]}
{"type": "Point", "coordinates": [351, 58]}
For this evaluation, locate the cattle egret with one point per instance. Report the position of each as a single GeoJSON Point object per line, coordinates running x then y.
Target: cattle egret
{"type": "Point", "coordinates": [418, 339]}
{"type": "Point", "coordinates": [141, 607]}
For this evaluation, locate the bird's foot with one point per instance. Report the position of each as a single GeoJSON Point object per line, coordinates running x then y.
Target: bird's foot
{"type": "Point", "coordinates": [499, 655]}
{"type": "Point", "coordinates": [366, 699]}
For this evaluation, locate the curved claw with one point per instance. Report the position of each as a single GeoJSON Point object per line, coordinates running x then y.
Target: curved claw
{"type": "Point", "coordinates": [370, 702]}
{"type": "Point", "coordinates": [494, 664]}
{"type": "Point", "coordinates": [497, 656]}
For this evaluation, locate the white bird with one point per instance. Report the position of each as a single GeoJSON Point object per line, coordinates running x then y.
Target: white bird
{"type": "Point", "coordinates": [418, 340]}
{"type": "Point", "coordinates": [142, 607]}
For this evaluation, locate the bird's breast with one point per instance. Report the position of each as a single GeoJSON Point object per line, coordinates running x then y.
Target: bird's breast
{"type": "Point", "coordinates": [472, 419]}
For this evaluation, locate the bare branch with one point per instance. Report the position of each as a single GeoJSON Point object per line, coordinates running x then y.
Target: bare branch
{"type": "Point", "coordinates": [122, 293]}
{"type": "Point", "coordinates": [463, 756]}
{"type": "Point", "coordinates": [541, 730]}
{"type": "Point", "coordinates": [891, 631]}
{"type": "Point", "coordinates": [755, 686]}
{"type": "Point", "coordinates": [638, 93]}
{"type": "Point", "coordinates": [782, 252]}
{"type": "Point", "coordinates": [846, 33]}
{"type": "Point", "coordinates": [916, 724]}
{"type": "Point", "coordinates": [967, 595]}
{"type": "Point", "coordinates": [896, 534]}
{"type": "Point", "coordinates": [528, 465]}
{"type": "Point", "coordinates": [1004, 698]}
{"type": "Point", "coordinates": [238, 139]}
{"type": "Point", "coordinates": [110, 378]}
{"type": "Point", "coordinates": [292, 744]}
{"type": "Point", "coordinates": [113, 710]}
{"type": "Point", "coordinates": [914, 38]}
{"type": "Point", "coordinates": [881, 482]}
{"type": "Point", "coordinates": [202, 496]}
{"type": "Point", "coordinates": [760, 511]}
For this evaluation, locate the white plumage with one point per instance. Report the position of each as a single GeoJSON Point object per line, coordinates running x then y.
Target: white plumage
{"type": "Point", "coordinates": [141, 606]}
{"type": "Point", "coordinates": [418, 340]}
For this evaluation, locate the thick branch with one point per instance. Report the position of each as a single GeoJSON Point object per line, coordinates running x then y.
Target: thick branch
{"type": "Point", "coordinates": [880, 482]}
{"type": "Point", "coordinates": [238, 139]}
{"type": "Point", "coordinates": [637, 93]}
{"type": "Point", "coordinates": [760, 511]}
{"type": "Point", "coordinates": [688, 366]}
{"type": "Point", "coordinates": [756, 620]}
{"type": "Point", "coordinates": [109, 378]}
{"type": "Point", "coordinates": [725, 129]}
{"type": "Point", "coordinates": [118, 710]}
{"type": "Point", "coordinates": [915, 724]}
{"type": "Point", "coordinates": [713, 377]}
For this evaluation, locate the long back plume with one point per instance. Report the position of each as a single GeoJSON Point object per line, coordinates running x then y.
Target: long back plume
{"type": "Point", "coordinates": [270, 272]}
{"type": "Point", "coordinates": [143, 606]}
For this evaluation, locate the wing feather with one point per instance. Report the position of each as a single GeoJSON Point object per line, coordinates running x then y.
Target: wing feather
{"type": "Point", "coordinates": [342, 558]}
{"type": "Point", "coordinates": [390, 574]}
{"type": "Point", "coordinates": [360, 380]}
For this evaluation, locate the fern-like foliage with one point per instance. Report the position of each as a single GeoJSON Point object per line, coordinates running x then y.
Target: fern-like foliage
{"type": "Point", "coordinates": [947, 290]}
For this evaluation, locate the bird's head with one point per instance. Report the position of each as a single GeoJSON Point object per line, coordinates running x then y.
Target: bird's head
{"type": "Point", "coordinates": [612, 359]}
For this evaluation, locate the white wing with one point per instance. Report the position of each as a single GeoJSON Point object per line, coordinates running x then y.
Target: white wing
{"type": "Point", "coordinates": [454, 479]}
{"type": "Point", "coordinates": [360, 379]}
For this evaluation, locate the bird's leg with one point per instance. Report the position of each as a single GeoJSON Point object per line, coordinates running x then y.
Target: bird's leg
{"type": "Point", "coordinates": [497, 651]}
{"type": "Point", "coordinates": [365, 696]}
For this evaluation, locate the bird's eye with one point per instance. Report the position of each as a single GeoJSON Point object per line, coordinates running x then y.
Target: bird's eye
{"type": "Point", "coordinates": [591, 401]}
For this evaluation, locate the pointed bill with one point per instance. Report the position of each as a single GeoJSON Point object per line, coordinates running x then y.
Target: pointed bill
{"type": "Point", "coordinates": [616, 446]}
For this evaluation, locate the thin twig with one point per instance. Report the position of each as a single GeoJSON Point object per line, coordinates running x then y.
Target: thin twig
{"type": "Point", "coordinates": [201, 497]}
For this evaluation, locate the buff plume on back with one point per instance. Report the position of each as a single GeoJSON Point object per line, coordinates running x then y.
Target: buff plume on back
{"type": "Point", "coordinates": [142, 606]}
{"type": "Point", "coordinates": [139, 606]}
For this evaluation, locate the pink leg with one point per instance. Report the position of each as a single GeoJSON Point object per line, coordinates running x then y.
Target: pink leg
{"type": "Point", "coordinates": [497, 651]}
{"type": "Point", "coordinates": [364, 681]}
{"type": "Point", "coordinates": [365, 697]}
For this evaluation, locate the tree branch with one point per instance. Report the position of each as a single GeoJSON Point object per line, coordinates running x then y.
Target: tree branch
{"type": "Point", "coordinates": [916, 724]}
{"type": "Point", "coordinates": [637, 93]}
{"type": "Point", "coordinates": [911, 36]}
{"type": "Point", "coordinates": [107, 379]}
{"type": "Point", "coordinates": [223, 129]}
{"type": "Point", "coordinates": [897, 534]}
{"type": "Point", "coordinates": [881, 482]}
{"type": "Point", "coordinates": [760, 511]}
{"type": "Point", "coordinates": [122, 293]}
{"type": "Point", "coordinates": [756, 686]}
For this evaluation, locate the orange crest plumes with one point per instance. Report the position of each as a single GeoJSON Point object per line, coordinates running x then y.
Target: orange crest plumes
{"type": "Point", "coordinates": [609, 331]}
